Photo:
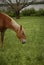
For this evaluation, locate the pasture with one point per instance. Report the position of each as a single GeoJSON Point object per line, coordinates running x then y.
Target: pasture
{"type": "Point", "coordinates": [30, 53]}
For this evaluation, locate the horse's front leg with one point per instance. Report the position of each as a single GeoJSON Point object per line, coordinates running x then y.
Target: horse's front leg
{"type": "Point", "coordinates": [2, 37]}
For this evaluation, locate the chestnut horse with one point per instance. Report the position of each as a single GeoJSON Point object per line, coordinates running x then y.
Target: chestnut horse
{"type": "Point", "coordinates": [6, 22]}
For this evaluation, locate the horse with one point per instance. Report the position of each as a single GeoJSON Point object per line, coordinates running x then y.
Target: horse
{"type": "Point", "coordinates": [7, 22]}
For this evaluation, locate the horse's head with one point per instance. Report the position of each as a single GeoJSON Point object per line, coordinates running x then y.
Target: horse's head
{"type": "Point", "coordinates": [21, 35]}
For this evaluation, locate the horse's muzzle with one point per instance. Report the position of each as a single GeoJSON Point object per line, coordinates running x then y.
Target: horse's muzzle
{"type": "Point", "coordinates": [24, 41]}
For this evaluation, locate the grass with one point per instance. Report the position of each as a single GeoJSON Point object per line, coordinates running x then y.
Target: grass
{"type": "Point", "coordinates": [31, 53]}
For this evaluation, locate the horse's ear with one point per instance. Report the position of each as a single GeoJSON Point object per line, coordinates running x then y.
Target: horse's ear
{"type": "Point", "coordinates": [20, 27]}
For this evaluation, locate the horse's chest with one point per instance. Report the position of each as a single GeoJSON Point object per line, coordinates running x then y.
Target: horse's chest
{"type": "Point", "coordinates": [2, 27]}
{"type": "Point", "coordinates": [1, 22]}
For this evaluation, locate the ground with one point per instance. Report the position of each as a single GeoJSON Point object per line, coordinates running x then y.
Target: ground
{"type": "Point", "coordinates": [30, 53]}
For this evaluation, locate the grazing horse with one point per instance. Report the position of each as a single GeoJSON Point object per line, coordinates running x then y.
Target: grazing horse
{"type": "Point", "coordinates": [6, 22]}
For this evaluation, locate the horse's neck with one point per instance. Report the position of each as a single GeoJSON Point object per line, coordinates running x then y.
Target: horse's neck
{"type": "Point", "coordinates": [14, 26]}
{"type": "Point", "coordinates": [9, 22]}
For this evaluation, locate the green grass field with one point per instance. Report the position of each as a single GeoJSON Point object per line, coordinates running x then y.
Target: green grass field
{"type": "Point", "coordinates": [31, 53]}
